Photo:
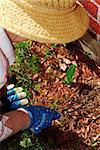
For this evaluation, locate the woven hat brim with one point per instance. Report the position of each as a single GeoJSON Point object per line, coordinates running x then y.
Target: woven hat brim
{"type": "Point", "coordinates": [63, 27]}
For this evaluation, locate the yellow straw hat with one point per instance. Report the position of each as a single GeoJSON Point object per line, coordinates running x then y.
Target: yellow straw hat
{"type": "Point", "coordinates": [49, 21]}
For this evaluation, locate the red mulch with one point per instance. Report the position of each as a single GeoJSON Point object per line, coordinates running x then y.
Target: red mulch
{"type": "Point", "coordinates": [78, 103]}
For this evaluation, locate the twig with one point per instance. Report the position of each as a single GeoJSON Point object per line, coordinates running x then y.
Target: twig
{"type": "Point", "coordinates": [95, 138]}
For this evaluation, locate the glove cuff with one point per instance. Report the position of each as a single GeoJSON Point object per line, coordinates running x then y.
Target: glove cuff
{"type": "Point", "coordinates": [31, 124]}
{"type": "Point", "coordinates": [31, 118]}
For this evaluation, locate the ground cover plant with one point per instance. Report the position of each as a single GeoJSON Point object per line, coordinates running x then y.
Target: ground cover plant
{"type": "Point", "coordinates": [63, 78]}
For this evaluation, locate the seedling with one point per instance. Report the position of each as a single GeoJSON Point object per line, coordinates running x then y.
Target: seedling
{"type": "Point", "coordinates": [27, 142]}
{"type": "Point", "coordinates": [26, 65]}
{"type": "Point", "coordinates": [23, 45]}
{"type": "Point", "coordinates": [70, 74]}
{"type": "Point", "coordinates": [37, 87]}
{"type": "Point", "coordinates": [48, 53]}
{"type": "Point", "coordinates": [54, 46]}
{"type": "Point", "coordinates": [22, 51]}
{"type": "Point", "coordinates": [55, 104]}
{"type": "Point", "coordinates": [34, 63]}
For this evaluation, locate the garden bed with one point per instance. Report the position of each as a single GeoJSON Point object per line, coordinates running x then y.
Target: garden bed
{"type": "Point", "coordinates": [77, 101]}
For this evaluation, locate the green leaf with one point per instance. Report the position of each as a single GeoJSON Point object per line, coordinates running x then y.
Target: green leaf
{"type": "Point", "coordinates": [23, 45]}
{"type": "Point", "coordinates": [26, 143]}
{"type": "Point", "coordinates": [70, 74]}
{"type": "Point", "coordinates": [54, 46]}
{"type": "Point", "coordinates": [34, 63]}
{"type": "Point", "coordinates": [48, 53]}
{"type": "Point", "coordinates": [34, 59]}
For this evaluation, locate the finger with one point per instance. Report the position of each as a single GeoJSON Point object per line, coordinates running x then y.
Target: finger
{"type": "Point", "coordinates": [18, 89]}
{"type": "Point", "coordinates": [3, 69]}
{"type": "Point", "coordinates": [56, 115]}
{"type": "Point", "coordinates": [16, 97]}
{"type": "Point", "coordinates": [11, 86]}
{"type": "Point", "coordinates": [21, 95]}
{"type": "Point", "coordinates": [19, 103]}
{"type": "Point", "coordinates": [10, 89]}
{"type": "Point", "coordinates": [14, 91]}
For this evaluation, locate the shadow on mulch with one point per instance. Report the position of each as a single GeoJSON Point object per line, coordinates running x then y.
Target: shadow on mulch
{"type": "Point", "coordinates": [50, 139]}
{"type": "Point", "coordinates": [76, 49]}
{"type": "Point", "coordinates": [83, 88]}
{"type": "Point", "coordinates": [55, 139]}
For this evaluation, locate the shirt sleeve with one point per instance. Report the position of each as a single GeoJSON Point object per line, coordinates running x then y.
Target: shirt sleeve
{"type": "Point", "coordinates": [7, 56]}
{"type": "Point", "coordinates": [3, 69]}
{"type": "Point", "coordinates": [6, 46]}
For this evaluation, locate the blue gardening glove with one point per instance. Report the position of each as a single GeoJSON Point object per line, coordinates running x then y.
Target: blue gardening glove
{"type": "Point", "coordinates": [41, 117]}
{"type": "Point", "coordinates": [16, 97]}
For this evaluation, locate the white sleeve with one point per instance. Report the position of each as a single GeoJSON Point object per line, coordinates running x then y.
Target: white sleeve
{"type": "Point", "coordinates": [3, 69]}
{"type": "Point", "coordinates": [6, 46]}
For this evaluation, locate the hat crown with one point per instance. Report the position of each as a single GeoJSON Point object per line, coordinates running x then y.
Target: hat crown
{"type": "Point", "coordinates": [53, 4]}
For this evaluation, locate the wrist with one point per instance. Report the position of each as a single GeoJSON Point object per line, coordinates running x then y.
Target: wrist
{"type": "Point", "coordinates": [26, 118]}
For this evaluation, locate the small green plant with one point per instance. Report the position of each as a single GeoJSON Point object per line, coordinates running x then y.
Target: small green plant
{"type": "Point", "coordinates": [54, 45]}
{"type": "Point", "coordinates": [48, 53]}
{"type": "Point", "coordinates": [34, 63]}
{"type": "Point", "coordinates": [26, 65]}
{"type": "Point", "coordinates": [55, 104]}
{"type": "Point", "coordinates": [70, 74]}
{"type": "Point", "coordinates": [23, 45]}
{"type": "Point", "coordinates": [34, 59]}
{"type": "Point", "coordinates": [37, 87]}
{"type": "Point", "coordinates": [22, 51]}
{"type": "Point", "coordinates": [28, 142]}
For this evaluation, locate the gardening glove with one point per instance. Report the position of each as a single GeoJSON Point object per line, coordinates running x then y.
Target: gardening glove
{"type": "Point", "coordinates": [41, 117]}
{"type": "Point", "coordinates": [16, 97]}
